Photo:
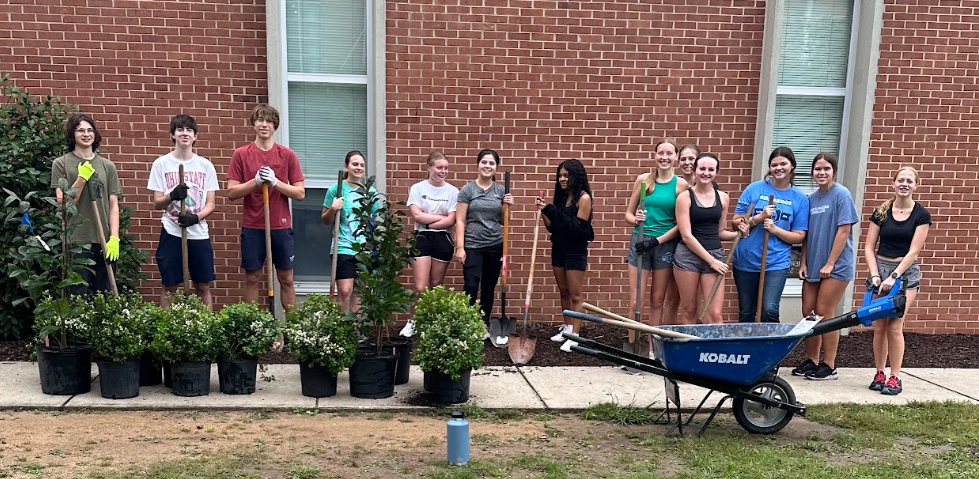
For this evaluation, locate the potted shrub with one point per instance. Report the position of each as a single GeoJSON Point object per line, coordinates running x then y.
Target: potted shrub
{"type": "Point", "coordinates": [64, 359]}
{"type": "Point", "coordinates": [450, 343]}
{"type": "Point", "coordinates": [188, 336]}
{"type": "Point", "coordinates": [381, 256]}
{"type": "Point", "coordinates": [247, 331]}
{"type": "Point", "coordinates": [118, 337]}
{"type": "Point", "coordinates": [323, 341]}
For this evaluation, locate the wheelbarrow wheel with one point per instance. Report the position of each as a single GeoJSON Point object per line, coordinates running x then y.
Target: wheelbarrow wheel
{"type": "Point", "coordinates": [758, 418]}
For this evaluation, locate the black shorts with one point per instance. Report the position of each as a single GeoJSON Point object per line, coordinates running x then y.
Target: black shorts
{"type": "Point", "coordinates": [569, 260]}
{"type": "Point", "coordinates": [253, 249]}
{"type": "Point", "coordinates": [200, 260]}
{"type": "Point", "coordinates": [436, 244]}
{"type": "Point", "coordinates": [346, 266]}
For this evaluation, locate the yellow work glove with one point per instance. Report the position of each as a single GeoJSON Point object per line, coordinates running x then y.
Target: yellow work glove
{"type": "Point", "coordinates": [85, 170]}
{"type": "Point", "coordinates": [112, 249]}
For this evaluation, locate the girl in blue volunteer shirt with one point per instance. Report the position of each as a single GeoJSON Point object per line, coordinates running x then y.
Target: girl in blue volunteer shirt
{"type": "Point", "coordinates": [828, 263]}
{"type": "Point", "coordinates": [786, 219]}
{"type": "Point", "coordinates": [653, 214]}
{"type": "Point", "coordinates": [355, 167]}
{"type": "Point", "coordinates": [897, 232]}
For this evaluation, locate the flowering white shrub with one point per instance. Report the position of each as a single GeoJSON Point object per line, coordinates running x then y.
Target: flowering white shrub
{"type": "Point", "coordinates": [317, 334]}
{"type": "Point", "coordinates": [247, 330]}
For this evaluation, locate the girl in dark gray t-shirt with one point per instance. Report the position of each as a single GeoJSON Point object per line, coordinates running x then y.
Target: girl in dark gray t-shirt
{"type": "Point", "coordinates": [479, 232]}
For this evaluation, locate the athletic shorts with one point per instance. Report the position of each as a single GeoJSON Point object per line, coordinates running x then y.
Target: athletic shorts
{"type": "Point", "coordinates": [200, 259]}
{"type": "Point", "coordinates": [346, 266]}
{"type": "Point", "coordinates": [912, 276]}
{"type": "Point", "coordinates": [687, 260]}
{"type": "Point", "coordinates": [436, 244]}
{"type": "Point", "coordinates": [253, 249]}
{"type": "Point", "coordinates": [660, 257]}
{"type": "Point", "coordinates": [569, 260]}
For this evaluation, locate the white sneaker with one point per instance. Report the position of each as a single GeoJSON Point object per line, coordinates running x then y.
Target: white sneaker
{"type": "Point", "coordinates": [485, 332]}
{"type": "Point", "coordinates": [564, 328]}
{"type": "Point", "coordinates": [502, 340]}
{"type": "Point", "coordinates": [566, 347]}
{"type": "Point", "coordinates": [409, 329]}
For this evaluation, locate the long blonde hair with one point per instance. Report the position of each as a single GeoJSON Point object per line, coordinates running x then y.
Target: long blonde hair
{"type": "Point", "coordinates": [881, 212]}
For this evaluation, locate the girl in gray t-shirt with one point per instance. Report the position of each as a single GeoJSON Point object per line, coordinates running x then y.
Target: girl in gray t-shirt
{"type": "Point", "coordinates": [479, 232]}
{"type": "Point", "coordinates": [827, 265]}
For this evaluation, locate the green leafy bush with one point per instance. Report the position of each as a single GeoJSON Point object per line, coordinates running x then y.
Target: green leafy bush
{"type": "Point", "coordinates": [381, 256]}
{"type": "Point", "coordinates": [118, 325]}
{"type": "Point", "coordinates": [187, 331]}
{"type": "Point", "coordinates": [247, 330]}
{"type": "Point", "coordinates": [70, 317]}
{"type": "Point", "coordinates": [450, 332]}
{"type": "Point", "coordinates": [317, 334]}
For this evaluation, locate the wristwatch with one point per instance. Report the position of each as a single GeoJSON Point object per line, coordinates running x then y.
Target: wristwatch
{"type": "Point", "coordinates": [894, 274]}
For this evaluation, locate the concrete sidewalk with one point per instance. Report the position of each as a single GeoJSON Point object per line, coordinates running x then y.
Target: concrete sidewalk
{"type": "Point", "coordinates": [526, 388]}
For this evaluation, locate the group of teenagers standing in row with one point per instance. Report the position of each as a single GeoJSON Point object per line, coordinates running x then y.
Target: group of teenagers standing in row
{"type": "Point", "coordinates": [678, 220]}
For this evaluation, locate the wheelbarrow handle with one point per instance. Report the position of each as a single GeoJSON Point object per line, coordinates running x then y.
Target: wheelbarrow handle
{"type": "Point", "coordinates": [890, 306]}
{"type": "Point", "coordinates": [628, 325]}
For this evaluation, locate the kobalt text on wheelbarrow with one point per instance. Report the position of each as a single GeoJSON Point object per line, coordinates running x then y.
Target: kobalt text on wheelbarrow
{"type": "Point", "coordinates": [739, 360]}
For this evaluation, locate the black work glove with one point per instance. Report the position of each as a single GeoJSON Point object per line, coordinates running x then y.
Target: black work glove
{"type": "Point", "coordinates": [187, 220]}
{"type": "Point", "coordinates": [647, 245]}
{"type": "Point", "coordinates": [179, 192]}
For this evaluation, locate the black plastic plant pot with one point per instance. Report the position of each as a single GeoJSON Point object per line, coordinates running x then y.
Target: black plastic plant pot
{"type": "Point", "coordinates": [191, 378]}
{"type": "Point", "coordinates": [65, 371]}
{"type": "Point", "coordinates": [402, 349]}
{"type": "Point", "coordinates": [427, 382]}
{"type": "Point", "coordinates": [167, 374]}
{"type": "Point", "coordinates": [317, 381]}
{"type": "Point", "coordinates": [237, 376]}
{"type": "Point", "coordinates": [372, 377]}
{"type": "Point", "coordinates": [446, 390]}
{"type": "Point", "coordinates": [150, 370]}
{"type": "Point", "coordinates": [119, 380]}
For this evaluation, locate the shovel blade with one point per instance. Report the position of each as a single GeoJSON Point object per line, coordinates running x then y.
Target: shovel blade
{"type": "Point", "coordinates": [501, 327]}
{"type": "Point", "coordinates": [521, 349]}
{"type": "Point", "coordinates": [639, 347]}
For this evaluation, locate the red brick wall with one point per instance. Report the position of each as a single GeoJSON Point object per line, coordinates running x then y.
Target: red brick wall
{"type": "Point", "coordinates": [132, 65]}
{"type": "Point", "coordinates": [541, 82]}
{"type": "Point", "coordinates": [538, 81]}
{"type": "Point", "coordinates": [927, 115]}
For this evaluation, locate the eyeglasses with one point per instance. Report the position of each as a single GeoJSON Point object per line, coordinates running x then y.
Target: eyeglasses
{"type": "Point", "coordinates": [85, 130]}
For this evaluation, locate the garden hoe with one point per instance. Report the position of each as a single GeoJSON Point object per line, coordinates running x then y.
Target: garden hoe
{"type": "Point", "coordinates": [183, 238]}
{"type": "Point", "coordinates": [717, 280]}
{"type": "Point", "coordinates": [95, 191]}
{"type": "Point", "coordinates": [522, 346]}
{"type": "Point", "coordinates": [501, 328]}
{"type": "Point", "coordinates": [336, 239]}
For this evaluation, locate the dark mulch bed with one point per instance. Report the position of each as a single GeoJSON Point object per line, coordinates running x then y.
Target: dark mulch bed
{"type": "Point", "coordinates": [856, 350]}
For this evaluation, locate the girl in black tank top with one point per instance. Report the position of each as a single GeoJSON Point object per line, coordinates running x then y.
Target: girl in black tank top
{"type": "Point", "coordinates": [699, 258]}
{"type": "Point", "coordinates": [568, 219]}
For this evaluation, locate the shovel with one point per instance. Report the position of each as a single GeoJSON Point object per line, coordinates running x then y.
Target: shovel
{"type": "Point", "coordinates": [336, 239]}
{"type": "Point", "coordinates": [761, 276]}
{"type": "Point", "coordinates": [502, 327]}
{"type": "Point", "coordinates": [96, 192]}
{"type": "Point", "coordinates": [184, 257]}
{"type": "Point", "coordinates": [522, 346]}
{"type": "Point", "coordinates": [638, 346]}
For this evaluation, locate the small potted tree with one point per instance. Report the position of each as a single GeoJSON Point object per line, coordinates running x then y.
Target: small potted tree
{"type": "Point", "coordinates": [118, 337]}
{"type": "Point", "coordinates": [381, 256]}
{"type": "Point", "coordinates": [247, 332]}
{"type": "Point", "coordinates": [188, 336]}
{"type": "Point", "coordinates": [64, 358]}
{"type": "Point", "coordinates": [450, 343]}
{"type": "Point", "coordinates": [323, 341]}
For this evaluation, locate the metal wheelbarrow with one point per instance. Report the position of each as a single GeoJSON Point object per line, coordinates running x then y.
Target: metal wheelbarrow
{"type": "Point", "coordinates": [739, 360]}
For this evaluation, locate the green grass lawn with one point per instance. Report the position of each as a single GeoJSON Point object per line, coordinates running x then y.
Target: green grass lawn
{"type": "Point", "coordinates": [920, 440]}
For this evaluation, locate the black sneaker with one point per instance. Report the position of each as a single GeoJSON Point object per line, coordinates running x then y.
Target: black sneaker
{"type": "Point", "coordinates": [892, 387]}
{"type": "Point", "coordinates": [878, 382]}
{"type": "Point", "coordinates": [822, 373]}
{"type": "Point", "coordinates": [806, 367]}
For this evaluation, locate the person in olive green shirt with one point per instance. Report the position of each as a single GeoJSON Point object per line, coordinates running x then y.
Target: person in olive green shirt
{"type": "Point", "coordinates": [87, 172]}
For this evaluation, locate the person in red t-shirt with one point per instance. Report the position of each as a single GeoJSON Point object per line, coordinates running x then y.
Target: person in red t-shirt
{"type": "Point", "coordinates": [265, 162]}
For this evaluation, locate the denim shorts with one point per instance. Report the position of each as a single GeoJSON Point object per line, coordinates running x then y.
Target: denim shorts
{"type": "Point", "coordinates": [912, 276]}
{"type": "Point", "coordinates": [661, 257]}
{"type": "Point", "coordinates": [687, 260]}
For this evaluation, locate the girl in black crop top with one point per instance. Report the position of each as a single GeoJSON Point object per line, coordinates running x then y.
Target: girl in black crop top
{"type": "Point", "coordinates": [699, 258]}
{"type": "Point", "coordinates": [568, 219]}
{"type": "Point", "coordinates": [897, 232]}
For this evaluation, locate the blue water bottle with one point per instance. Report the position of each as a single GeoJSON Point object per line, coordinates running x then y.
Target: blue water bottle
{"type": "Point", "coordinates": [457, 434]}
